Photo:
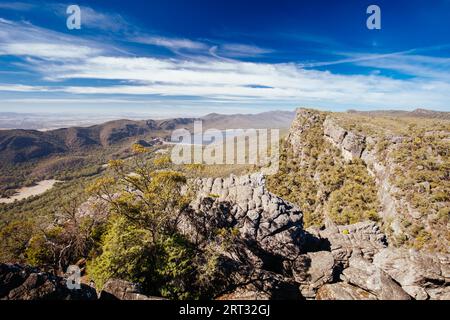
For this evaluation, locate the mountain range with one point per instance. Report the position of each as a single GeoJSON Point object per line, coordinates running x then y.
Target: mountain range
{"type": "Point", "coordinates": [19, 145]}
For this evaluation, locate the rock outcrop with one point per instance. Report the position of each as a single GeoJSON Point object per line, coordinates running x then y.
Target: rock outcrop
{"type": "Point", "coordinates": [343, 291]}
{"type": "Point", "coordinates": [351, 144]}
{"type": "Point", "coordinates": [363, 274]}
{"type": "Point", "coordinates": [271, 223]}
{"type": "Point", "coordinates": [422, 275]}
{"type": "Point", "coordinates": [269, 235]}
{"type": "Point", "coordinates": [274, 257]}
{"type": "Point", "coordinates": [19, 282]}
{"type": "Point", "coordinates": [312, 271]}
{"type": "Point", "coordinates": [116, 289]}
{"type": "Point", "coordinates": [375, 147]}
{"type": "Point", "coordinates": [364, 237]}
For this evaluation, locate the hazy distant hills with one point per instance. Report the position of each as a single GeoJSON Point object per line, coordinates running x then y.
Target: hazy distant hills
{"type": "Point", "coordinates": [52, 121]}
{"type": "Point", "coordinates": [22, 145]}
{"type": "Point", "coordinates": [17, 145]}
{"type": "Point", "coordinates": [271, 119]}
{"type": "Point", "coordinates": [417, 113]}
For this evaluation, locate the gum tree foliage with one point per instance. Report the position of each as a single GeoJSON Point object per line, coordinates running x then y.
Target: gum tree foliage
{"type": "Point", "coordinates": [53, 242]}
{"type": "Point", "coordinates": [142, 244]}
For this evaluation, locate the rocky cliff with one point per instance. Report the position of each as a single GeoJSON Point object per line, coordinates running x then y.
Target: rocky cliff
{"type": "Point", "coordinates": [397, 165]}
{"type": "Point", "coordinates": [326, 227]}
{"type": "Point", "coordinates": [333, 262]}
{"type": "Point", "coordinates": [272, 256]}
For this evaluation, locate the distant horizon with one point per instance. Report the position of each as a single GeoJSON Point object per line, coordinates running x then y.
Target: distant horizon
{"type": "Point", "coordinates": [43, 121]}
{"type": "Point", "coordinates": [136, 113]}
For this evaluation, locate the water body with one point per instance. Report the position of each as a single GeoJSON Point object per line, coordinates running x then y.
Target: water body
{"type": "Point", "coordinates": [27, 192]}
{"type": "Point", "coordinates": [205, 138]}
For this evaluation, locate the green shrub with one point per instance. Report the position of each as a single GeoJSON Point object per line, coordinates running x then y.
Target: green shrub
{"type": "Point", "coordinates": [126, 254]}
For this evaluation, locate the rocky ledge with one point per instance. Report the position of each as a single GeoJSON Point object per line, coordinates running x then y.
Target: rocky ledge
{"type": "Point", "coordinates": [272, 255]}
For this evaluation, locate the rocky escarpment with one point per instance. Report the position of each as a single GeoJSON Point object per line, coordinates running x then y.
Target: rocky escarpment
{"type": "Point", "coordinates": [355, 146]}
{"type": "Point", "coordinates": [351, 144]}
{"type": "Point", "coordinates": [409, 168]}
{"type": "Point", "coordinates": [271, 255]}
{"type": "Point", "coordinates": [358, 168]}
{"type": "Point", "coordinates": [273, 224]}
{"type": "Point", "coordinates": [269, 235]}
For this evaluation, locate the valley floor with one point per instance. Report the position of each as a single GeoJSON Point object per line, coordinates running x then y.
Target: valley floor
{"type": "Point", "coordinates": [27, 192]}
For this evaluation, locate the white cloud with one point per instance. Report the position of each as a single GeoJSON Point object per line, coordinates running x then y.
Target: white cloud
{"type": "Point", "coordinates": [24, 39]}
{"type": "Point", "coordinates": [22, 88]}
{"type": "Point", "coordinates": [238, 50]}
{"type": "Point", "coordinates": [244, 81]}
{"type": "Point", "coordinates": [212, 79]}
{"type": "Point", "coordinates": [170, 43]}
{"type": "Point", "coordinates": [91, 18]}
{"type": "Point", "coordinates": [47, 50]}
{"type": "Point", "coordinates": [413, 65]}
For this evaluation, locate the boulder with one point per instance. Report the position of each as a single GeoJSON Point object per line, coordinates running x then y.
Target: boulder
{"type": "Point", "coordinates": [333, 131]}
{"type": "Point", "coordinates": [312, 271]}
{"type": "Point", "coordinates": [343, 291]}
{"type": "Point", "coordinates": [269, 222]}
{"type": "Point", "coordinates": [18, 282]}
{"type": "Point", "coordinates": [364, 237]}
{"type": "Point", "coordinates": [422, 275]}
{"type": "Point", "coordinates": [115, 289]}
{"type": "Point", "coordinates": [351, 144]}
{"type": "Point", "coordinates": [363, 274]}
{"type": "Point", "coordinates": [247, 283]}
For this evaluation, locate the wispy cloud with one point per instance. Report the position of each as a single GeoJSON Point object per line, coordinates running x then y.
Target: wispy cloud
{"type": "Point", "coordinates": [26, 40]}
{"type": "Point", "coordinates": [219, 76]}
{"type": "Point", "coordinates": [91, 18]}
{"type": "Point", "coordinates": [102, 20]}
{"type": "Point", "coordinates": [412, 65]}
{"type": "Point", "coordinates": [22, 88]}
{"type": "Point", "coordinates": [239, 50]}
{"type": "Point", "coordinates": [215, 48]}
{"type": "Point", "coordinates": [241, 81]}
{"type": "Point", "coordinates": [17, 6]}
{"type": "Point", "coordinates": [47, 50]}
{"type": "Point", "coordinates": [170, 43]}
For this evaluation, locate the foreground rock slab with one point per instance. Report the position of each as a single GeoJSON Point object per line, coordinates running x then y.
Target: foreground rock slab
{"type": "Point", "coordinates": [422, 275]}
{"type": "Point", "coordinates": [343, 291]}
{"type": "Point", "coordinates": [115, 289]}
{"type": "Point", "coordinates": [19, 282]}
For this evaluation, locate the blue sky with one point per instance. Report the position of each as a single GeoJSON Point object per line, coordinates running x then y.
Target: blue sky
{"type": "Point", "coordinates": [198, 56]}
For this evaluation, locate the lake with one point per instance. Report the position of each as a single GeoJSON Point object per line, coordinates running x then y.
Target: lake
{"type": "Point", "coordinates": [27, 192]}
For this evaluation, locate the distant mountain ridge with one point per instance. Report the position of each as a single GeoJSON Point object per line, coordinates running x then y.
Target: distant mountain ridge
{"type": "Point", "coordinates": [18, 145]}
{"type": "Point", "coordinates": [270, 119]}
{"type": "Point", "coordinates": [417, 113]}
{"type": "Point", "coordinates": [23, 145]}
